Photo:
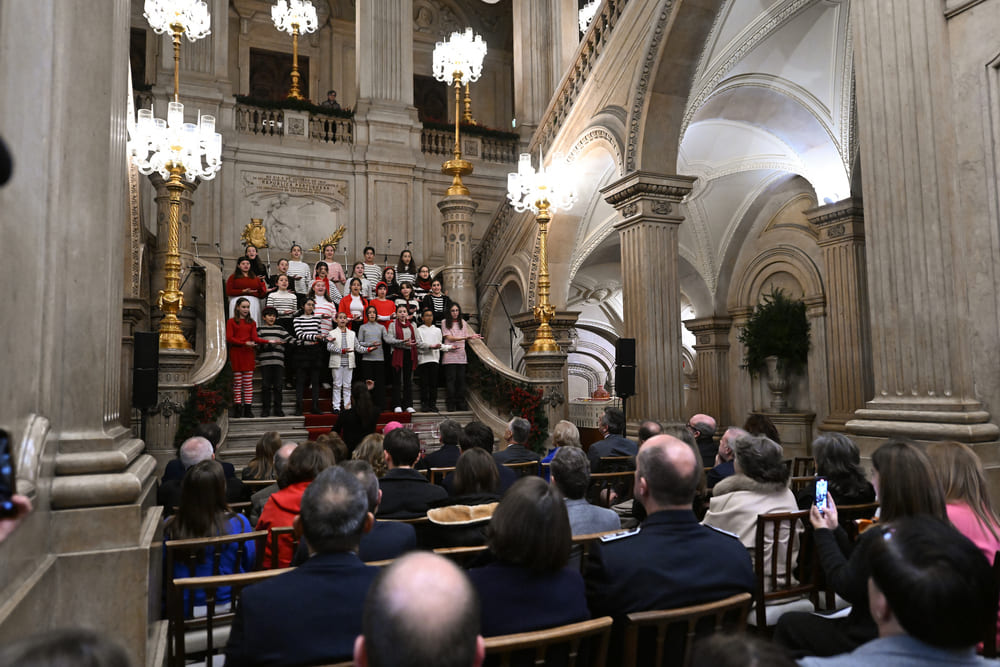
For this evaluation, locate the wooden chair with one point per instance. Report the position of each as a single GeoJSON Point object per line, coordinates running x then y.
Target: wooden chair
{"type": "Point", "coordinates": [602, 483]}
{"type": "Point", "coordinates": [775, 577]}
{"type": "Point", "coordinates": [803, 466]}
{"type": "Point", "coordinates": [796, 484]}
{"type": "Point", "coordinates": [506, 650]}
{"type": "Point", "coordinates": [677, 629]}
{"type": "Point", "coordinates": [276, 533]}
{"type": "Point", "coordinates": [582, 545]}
{"type": "Point", "coordinates": [438, 474]}
{"type": "Point", "coordinates": [241, 508]}
{"type": "Point", "coordinates": [616, 464]}
{"type": "Point", "coordinates": [462, 556]}
{"type": "Point", "coordinates": [256, 485]}
{"type": "Point", "coordinates": [205, 635]}
{"type": "Point", "coordinates": [848, 515]}
{"type": "Point", "coordinates": [543, 470]}
{"type": "Point", "coordinates": [524, 468]}
{"type": "Point", "coordinates": [190, 553]}
{"type": "Point", "coordinates": [415, 521]}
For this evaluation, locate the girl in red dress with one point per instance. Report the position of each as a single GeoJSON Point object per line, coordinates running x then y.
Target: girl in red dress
{"type": "Point", "coordinates": [241, 335]}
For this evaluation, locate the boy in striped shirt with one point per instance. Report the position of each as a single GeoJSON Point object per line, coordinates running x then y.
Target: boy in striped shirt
{"type": "Point", "coordinates": [271, 361]}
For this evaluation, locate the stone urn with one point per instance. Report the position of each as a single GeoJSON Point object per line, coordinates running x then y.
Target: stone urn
{"type": "Point", "coordinates": [777, 382]}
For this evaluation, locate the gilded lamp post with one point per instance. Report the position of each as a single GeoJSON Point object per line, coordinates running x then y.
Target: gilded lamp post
{"type": "Point", "coordinates": [459, 60]}
{"type": "Point", "coordinates": [543, 192]}
{"type": "Point", "coordinates": [175, 149]}
{"type": "Point", "coordinates": [294, 17]}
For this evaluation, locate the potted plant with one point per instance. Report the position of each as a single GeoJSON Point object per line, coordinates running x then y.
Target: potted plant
{"type": "Point", "coordinates": [776, 337]}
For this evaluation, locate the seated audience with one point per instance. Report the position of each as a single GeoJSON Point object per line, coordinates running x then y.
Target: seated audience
{"type": "Point", "coordinates": [930, 592]}
{"type": "Point", "coordinates": [406, 493]}
{"type": "Point", "coordinates": [447, 456]}
{"type": "Point", "coordinates": [259, 499]}
{"type": "Point", "coordinates": [760, 486]}
{"type": "Point", "coordinates": [571, 475]}
{"type": "Point", "coordinates": [739, 650]}
{"type": "Point", "coordinates": [612, 427]}
{"type": "Point", "coordinates": [702, 427]}
{"type": "Point", "coordinates": [516, 437]}
{"type": "Point", "coordinates": [203, 513]}
{"type": "Point", "coordinates": [386, 539]}
{"type": "Point", "coordinates": [261, 466]}
{"type": "Point", "coordinates": [195, 450]}
{"type": "Point", "coordinates": [371, 451]}
{"type": "Point", "coordinates": [647, 429]}
{"type": "Point", "coordinates": [460, 519]}
{"type": "Point", "coordinates": [478, 434]}
{"type": "Point", "coordinates": [304, 464]}
{"type": "Point", "coordinates": [725, 464]}
{"type": "Point", "coordinates": [758, 424]}
{"type": "Point", "coordinates": [528, 586]}
{"type": "Point", "coordinates": [839, 460]}
{"type": "Point", "coordinates": [565, 434]}
{"type": "Point", "coordinates": [211, 432]}
{"type": "Point", "coordinates": [312, 614]}
{"type": "Point", "coordinates": [336, 446]}
{"type": "Point", "coordinates": [415, 588]}
{"type": "Point", "coordinates": [906, 485]}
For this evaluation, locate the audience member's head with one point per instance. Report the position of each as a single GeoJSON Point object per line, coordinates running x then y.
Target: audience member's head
{"type": "Point", "coordinates": [684, 434]}
{"type": "Point", "coordinates": [475, 472]}
{"type": "Point", "coordinates": [932, 583]}
{"type": "Point", "coordinates": [518, 430]}
{"type": "Point", "coordinates": [417, 587]}
{"type": "Point", "coordinates": [195, 450]}
{"type": "Point", "coordinates": [281, 463]}
{"type": "Point", "coordinates": [336, 445]}
{"type": "Point", "coordinates": [726, 442]}
{"type": "Point", "coordinates": [570, 470]}
{"type": "Point", "coordinates": [203, 501]}
{"type": "Point", "coordinates": [758, 424]}
{"type": "Point", "coordinates": [262, 463]}
{"type": "Point", "coordinates": [612, 421]}
{"type": "Point", "coordinates": [905, 481]}
{"type": "Point", "coordinates": [370, 449]}
{"type": "Point", "coordinates": [739, 650]}
{"type": "Point", "coordinates": [334, 511]}
{"type": "Point", "coordinates": [366, 476]}
{"type": "Point", "coordinates": [565, 434]}
{"type": "Point", "coordinates": [390, 427]}
{"type": "Point", "coordinates": [306, 462]}
{"type": "Point", "coordinates": [667, 473]}
{"type": "Point", "coordinates": [210, 431]}
{"type": "Point", "coordinates": [647, 429]}
{"type": "Point", "coordinates": [760, 459]}
{"type": "Point", "coordinates": [402, 448]}
{"type": "Point", "coordinates": [65, 648]}
{"type": "Point", "coordinates": [530, 527]}
{"type": "Point", "coordinates": [477, 434]}
{"type": "Point", "coordinates": [839, 460]}
{"type": "Point", "coordinates": [964, 481]}
{"type": "Point", "coordinates": [703, 426]}
{"type": "Point", "coordinates": [450, 432]}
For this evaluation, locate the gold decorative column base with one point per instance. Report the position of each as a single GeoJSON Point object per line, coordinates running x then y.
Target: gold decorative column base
{"type": "Point", "coordinates": [457, 168]}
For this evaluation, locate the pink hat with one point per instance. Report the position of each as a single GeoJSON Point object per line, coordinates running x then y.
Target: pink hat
{"type": "Point", "coordinates": [391, 426]}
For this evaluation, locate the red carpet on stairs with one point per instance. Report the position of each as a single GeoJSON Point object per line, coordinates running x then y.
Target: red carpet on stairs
{"type": "Point", "coordinates": [323, 423]}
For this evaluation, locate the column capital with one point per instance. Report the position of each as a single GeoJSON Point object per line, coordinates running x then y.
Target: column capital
{"type": "Point", "coordinates": [710, 332]}
{"type": "Point", "coordinates": [648, 196]}
{"type": "Point", "coordinates": [839, 222]}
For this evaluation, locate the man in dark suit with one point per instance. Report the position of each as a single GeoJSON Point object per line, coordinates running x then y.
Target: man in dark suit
{"type": "Point", "coordinates": [725, 465]}
{"type": "Point", "coordinates": [478, 434]}
{"type": "Point", "coordinates": [195, 450]}
{"type": "Point", "coordinates": [612, 426]}
{"type": "Point", "coordinates": [311, 614]}
{"type": "Point", "coordinates": [387, 539]}
{"type": "Point", "coordinates": [673, 560]}
{"type": "Point", "coordinates": [702, 427]}
{"type": "Point", "coordinates": [406, 493]}
{"type": "Point", "coordinates": [516, 436]}
{"type": "Point", "coordinates": [447, 456]}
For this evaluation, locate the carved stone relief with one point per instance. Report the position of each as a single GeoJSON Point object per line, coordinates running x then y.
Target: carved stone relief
{"type": "Point", "coordinates": [295, 209]}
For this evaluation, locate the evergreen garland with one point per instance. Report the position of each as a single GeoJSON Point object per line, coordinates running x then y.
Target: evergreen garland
{"type": "Point", "coordinates": [294, 105]}
{"type": "Point", "coordinates": [516, 398]}
{"type": "Point", "coordinates": [472, 130]}
{"type": "Point", "coordinates": [204, 404]}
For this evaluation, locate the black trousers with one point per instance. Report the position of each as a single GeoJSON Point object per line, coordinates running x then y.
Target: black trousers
{"type": "Point", "coordinates": [272, 382]}
{"type": "Point", "coordinates": [428, 386]}
{"type": "Point", "coordinates": [374, 371]}
{"type": "Point", "coordinates": [307, 367]}
{"type": "Point", "coordinates": [454, 385]}
{"type": "Point", "coordinates": [805, 634]}
{"type": "Point", "coordinates": [402, 383]}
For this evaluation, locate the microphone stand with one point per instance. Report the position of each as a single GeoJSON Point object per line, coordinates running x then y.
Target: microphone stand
{"type": "Point", "coordinates": [510, 323]}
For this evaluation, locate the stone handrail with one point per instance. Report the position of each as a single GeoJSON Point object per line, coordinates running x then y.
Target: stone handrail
{"type": "Point", "coordinates": [488, 149]}
{"type": "Point", "coordinates": [213, 357]}
{"type": "Point", "coordinates": [260, 121]}
{"type": "Point", "coordinates": [493, 362]}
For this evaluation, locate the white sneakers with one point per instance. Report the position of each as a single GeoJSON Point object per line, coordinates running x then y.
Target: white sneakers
{"type": "Point", "coordinates": [398, 409]}
{"type": "Point", "coordinates": [410, 410]}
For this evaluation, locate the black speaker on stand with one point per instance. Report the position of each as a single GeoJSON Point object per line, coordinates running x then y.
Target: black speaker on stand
{"type": "Point", "coordinates": [145, 374]}
{"type": "Point", "coordinates": [625, 371]}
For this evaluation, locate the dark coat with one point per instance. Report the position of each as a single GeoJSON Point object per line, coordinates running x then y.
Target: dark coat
{"type": "Point", "coordinates": [387, 539]}
{"type": "Point", "coordinates": [719, 473]}
{"type": "Point", "coordinates": [446, 457]}
{"type": "Point", "coordinates": [515, 454]}
{"type": "Point", "coordinates": [612, 445]}
{"type": "Point", "coordinates": [519, 600]}
{"type": "Point", "coordinates": [406, 493]}
{"type": "Point", "coordinates": [175, 470]}
{"type": "Point", "coordinates": [308, 616]}
{"type": "Point", "coordinates": [507, 479]}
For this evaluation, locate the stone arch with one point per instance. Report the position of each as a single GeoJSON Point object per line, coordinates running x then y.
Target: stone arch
{"type": "Point", "coordinates": [777, 265]}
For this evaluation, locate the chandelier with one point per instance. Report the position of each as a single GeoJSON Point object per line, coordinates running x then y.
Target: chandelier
{"type": "Point", "coordinates": [190, 17]}
{"type": "Point", "coordinates": [294, 17]}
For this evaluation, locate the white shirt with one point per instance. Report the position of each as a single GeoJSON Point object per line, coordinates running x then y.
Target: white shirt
{"type": "Point", "coordinates": [300, 269]}
{"type": "Point", "coordinates": [426, 337]}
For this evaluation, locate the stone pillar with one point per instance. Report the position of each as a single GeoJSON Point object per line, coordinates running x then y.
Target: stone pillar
{"type": "Point", "coordinates": [549, 366]}
{"type": "Point", "coordinates": [917, 243]}
{"type": "Point", "coordinates": [848, 373]}
{"type": "Point", "coordinates": [648, 231]}
{"type": "Point", "coordinates": [545, 40]}
{"type": "Point", "coordinates": [188, 319]}
{"type": "Point", "coordinates": [385, 50]}
{"type": "Point", "coordinates": [459, 276]}
{"type": "Point", "coordinates": [712, 345]}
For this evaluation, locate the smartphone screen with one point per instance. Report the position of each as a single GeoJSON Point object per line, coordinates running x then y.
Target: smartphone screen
{"type": "Point", "coordinates": [7, 507]}
{"type": "Point", "coordinates": [821, 484]}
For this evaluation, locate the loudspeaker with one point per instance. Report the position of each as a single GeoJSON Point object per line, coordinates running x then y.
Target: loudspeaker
{"type": "Point", "coordinates": [625, 352]}
{"type": "Point", "coordinates": [145, 369]}
{"type": "Point", "coordinates": [625, 381]}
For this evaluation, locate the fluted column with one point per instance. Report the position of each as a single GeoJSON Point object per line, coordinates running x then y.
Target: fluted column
{"type": "Point", "coordinates": [917, 244]}
{"type": "Point", "coordinates": [459, 276]}
{"type": "Point", "coordinates": [545, 40]}
{"type": "Point", "coordinates": [848, 374]}
{"type": "Point", "coordinates": [712, 345]}
{"type": "Point", "coordinates": [385, 50]}
{"type": "Point", "coordinates": [649, 250]}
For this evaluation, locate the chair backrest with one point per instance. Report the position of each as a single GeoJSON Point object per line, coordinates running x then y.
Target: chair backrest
{"type": "Point", "coordinates": [607, 488]}
{"type": "Point", "coordinates": [438, 474]}
{"type": "Point", "coordinates": [849, 515]}
{"type": "Point", "coordinates": [544, 468]}
{"type": "Point", "coordinates": [190, 553]}
{"type": "Point", "coordinates": [617, 464]}
{"type": "Point", "coordinates": [803, 466]}
{"type": "Point", "coordinates": [462, 556]}
{"type": "Point", "coordinates": [524, 468]}
{"type": "Point", "coordinates": [582, 544]}
{"type": "Point", "coordinates": [256, 485]}
{"type": "Point", "coordinates": [677, 629]}
{"type": "Point", "coordinates": [415, 521]}
{"type": "Point", "coordinates": [775, 579]}
{"type": "Point", "coordinates": [276, 533]}
{"type": "Point", "coordinates": [796, 484]}
{"type": "Point", "coordinates": [209, 632]}
{"type": "Point", "coordinates": [505, 649]}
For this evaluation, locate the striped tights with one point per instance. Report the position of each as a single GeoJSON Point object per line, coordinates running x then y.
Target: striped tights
{"type": "Point", "coordinates": [243, 387]}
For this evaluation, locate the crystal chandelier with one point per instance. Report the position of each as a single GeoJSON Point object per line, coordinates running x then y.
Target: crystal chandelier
{"type": "Point", "coordinates": [190, 17]}
{"type": "Point", "coordinates": [296, 17]}
{"type": "Point", "coordinates": [157, 144]}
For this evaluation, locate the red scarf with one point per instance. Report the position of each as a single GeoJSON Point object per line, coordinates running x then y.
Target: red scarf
{"type": "Point", "coordinates": [397, 352]}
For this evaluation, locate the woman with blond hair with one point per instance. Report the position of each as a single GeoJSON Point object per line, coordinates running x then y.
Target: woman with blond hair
{"type": "Point", "coordinates": [565, 434]}
{"type": "Point", "coordinates": [370, 449]}
{"type": "Point", "coordinates": [967, 499]}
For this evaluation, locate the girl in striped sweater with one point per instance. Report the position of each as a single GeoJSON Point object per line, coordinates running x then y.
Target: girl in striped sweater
{"type": "Point", "coordinates": [308, 355]}
{"type": "Point", "coordinates": [271, 360]}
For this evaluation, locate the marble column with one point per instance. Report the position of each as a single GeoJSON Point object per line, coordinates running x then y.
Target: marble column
{"type": "Point", "coordinates": [649, 250]}
{"type": "Point", "coordinates": [385, 50]}
{"type": "Point", "coordinates": [712, 345]}
{"type": "Point", "coordinates": [917, 244]}
{"type": "Point", "coordinates": [459, 276]}
{"type": "Point", "coordinates": [848, 373]}
{"type": "Point", "coordinates": [549, 366]}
